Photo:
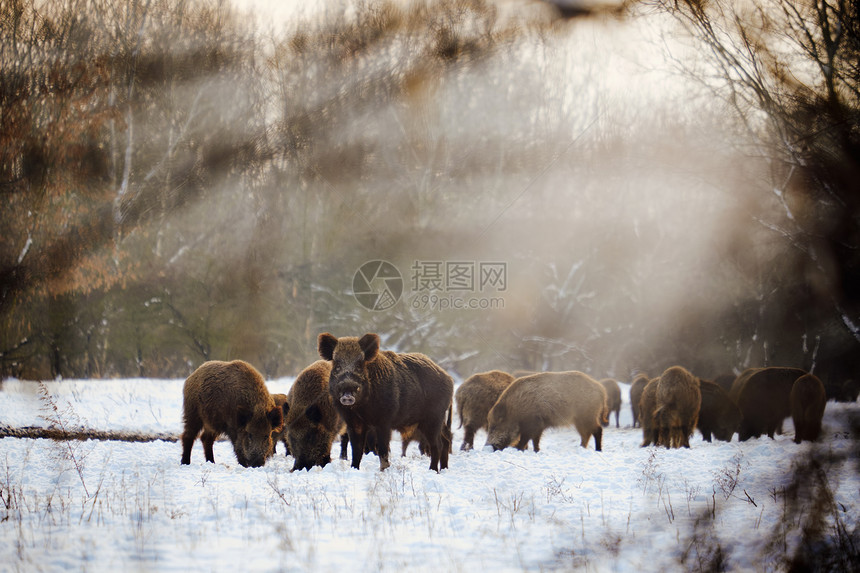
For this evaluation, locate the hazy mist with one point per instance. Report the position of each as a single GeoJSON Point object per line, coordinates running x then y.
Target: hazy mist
{"type": "Point", "coordinates": [253, 164]}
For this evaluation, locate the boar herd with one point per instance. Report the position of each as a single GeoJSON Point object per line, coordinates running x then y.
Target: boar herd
{"type": "Point", "coordinates": [669, 407]}
{"type": "Point", "coordinates": [360, 394]}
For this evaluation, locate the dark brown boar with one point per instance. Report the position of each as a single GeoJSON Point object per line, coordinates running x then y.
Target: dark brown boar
{"type": "Point", "coordinates": [230, 398]}
{"type": "Point", "coordinates": [808, 398]}
{"type": "Point", "coordinates": [739, 382]}
{"type": "Point", "coordinates": [840, 390]}
{"type": "Point", "coordinates": [636, 389]}
{"type": "Point", "coordinates": [725, 382]}
{"type": "Point", "coordinates": [546, 400]}
{"type": "Point", "coordinates": [613, 399]}
{"type": "Point", "coordinates": [676, 411]}
{"type": "Point", "coordinates": [718, 416]}
{"type": "Point", "coordinates": [385, 391]}
{"type": "Point", "coordinates": [312, 422]}
{"type": "Point", "coordinates": [647, 403]}
{"type": "Point", "coordinates": [280, 435]}
{"type": "Point", "coordinates": [763, 397]}
{"type": "Point", "coordinates": [474, 399]}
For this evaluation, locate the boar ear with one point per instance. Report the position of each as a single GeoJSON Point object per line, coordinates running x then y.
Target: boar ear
{"type": "Point", "coordinates": [369, 344]}
{"type": "Point", "coordinates": [325, 345]}
{"type": "Point", "coordinates": [276, 417]}
{"type": "Point", "coordinates": [313, 413]}
{"type": "Point", "coordinates": [243, 416]}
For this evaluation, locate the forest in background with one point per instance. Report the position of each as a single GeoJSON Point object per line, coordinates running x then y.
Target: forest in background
{"type": "Point", "coordinates": [179, 187]}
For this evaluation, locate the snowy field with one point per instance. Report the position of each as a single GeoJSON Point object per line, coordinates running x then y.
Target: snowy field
{"type": "Point", "coordinates": [111, 505]}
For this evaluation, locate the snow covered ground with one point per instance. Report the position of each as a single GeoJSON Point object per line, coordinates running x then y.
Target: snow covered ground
{"type": "Point", "coordinates": [110, 505]}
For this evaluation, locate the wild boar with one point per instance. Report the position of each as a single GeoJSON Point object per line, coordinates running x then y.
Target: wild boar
{"type": "Point", "coordinates": [312, 422]}
{"type": "Point", "coordinates": [549, 399]}
{"type": "Point", "coordinates": [676, 411]}
{"type": "Point", "coordinates": [230, 398]}
{"type": "Point", "coordinates": [725, 382]}
{"type": "Point", "coordinates": [718, 416]}
{"type": "Point", "coordinates": [808, 399]}
{"type": "Point", "coordinates": [764, 400]}
{"type": "Point", "coordinates": [647, 404]}
{"type": "Point", "coordinates": [385, 391]}
{"type": "Point", "coordinates": [636, 389]}
{"type": "Point", "coordinates": [474, 399]}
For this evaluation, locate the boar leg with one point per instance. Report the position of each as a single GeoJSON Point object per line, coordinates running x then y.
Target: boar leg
{"type": "Point", "coordinates": [344, 444]}
{"type": "Point", "coordinates": [383, 443]}
{"type": "Point", "coordinates": [208, 439]}
{"type": "Point", "coordinates": [432, 431]}
{"type": "Point", "coordinates": [529, 430]}
{"type": "Point", "coordinates": [598, 438]}
{"type": "Point", "coordinates": [469, 438]}
{"type": "Point", "coordinates": [687, 432]}
{"type": "Point", "coordinates": [192, 429]}
{"type": "Point", "coordinates": [536, 439]}
{"type": "Point", "coordinates": [445, 441]}
{"type": "Point", "coordinates": [356, 440]}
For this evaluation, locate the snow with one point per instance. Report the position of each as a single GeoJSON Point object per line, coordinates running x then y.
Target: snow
{"type": "Point", "coordinates": [104, 505]}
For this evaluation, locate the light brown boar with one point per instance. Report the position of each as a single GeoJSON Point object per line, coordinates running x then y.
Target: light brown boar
{"type": "Point", "coordinates": [613, 399]}
{"type": "Point", "coordinates": [546, 400]}
{"type": "Point", "coordinates": [676, 410]}
{"type": "Point", "coordinates": [808, 398]}
{"type": "Point", "coordinates": [230, 398]}
{"type": "Point", "coordinates": [647, 403]}
{"type": "Point", "coordinates": [636, 389]}
{"type": "Point", "coordinates": [280, 435]}
{"type": "Point", "coordinates": [474, 399]}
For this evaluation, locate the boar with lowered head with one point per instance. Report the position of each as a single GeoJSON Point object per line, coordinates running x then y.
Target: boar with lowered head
{"type": "Point", "coordinates": [230, 398]}
{"type": "Point", "coordinates": [312, 423]}
{"type": "Point", "coordinates": [383, 391]}
{"type": "Point", "coordinates": [550, 399]}
{"type": "Point", "coordinates": [474, 399]}
{"type": "Point", "coordinates": [719, 416]}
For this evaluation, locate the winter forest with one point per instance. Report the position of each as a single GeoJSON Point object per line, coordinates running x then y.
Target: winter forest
{"type": "Point", "coordinates": [654, 183]}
